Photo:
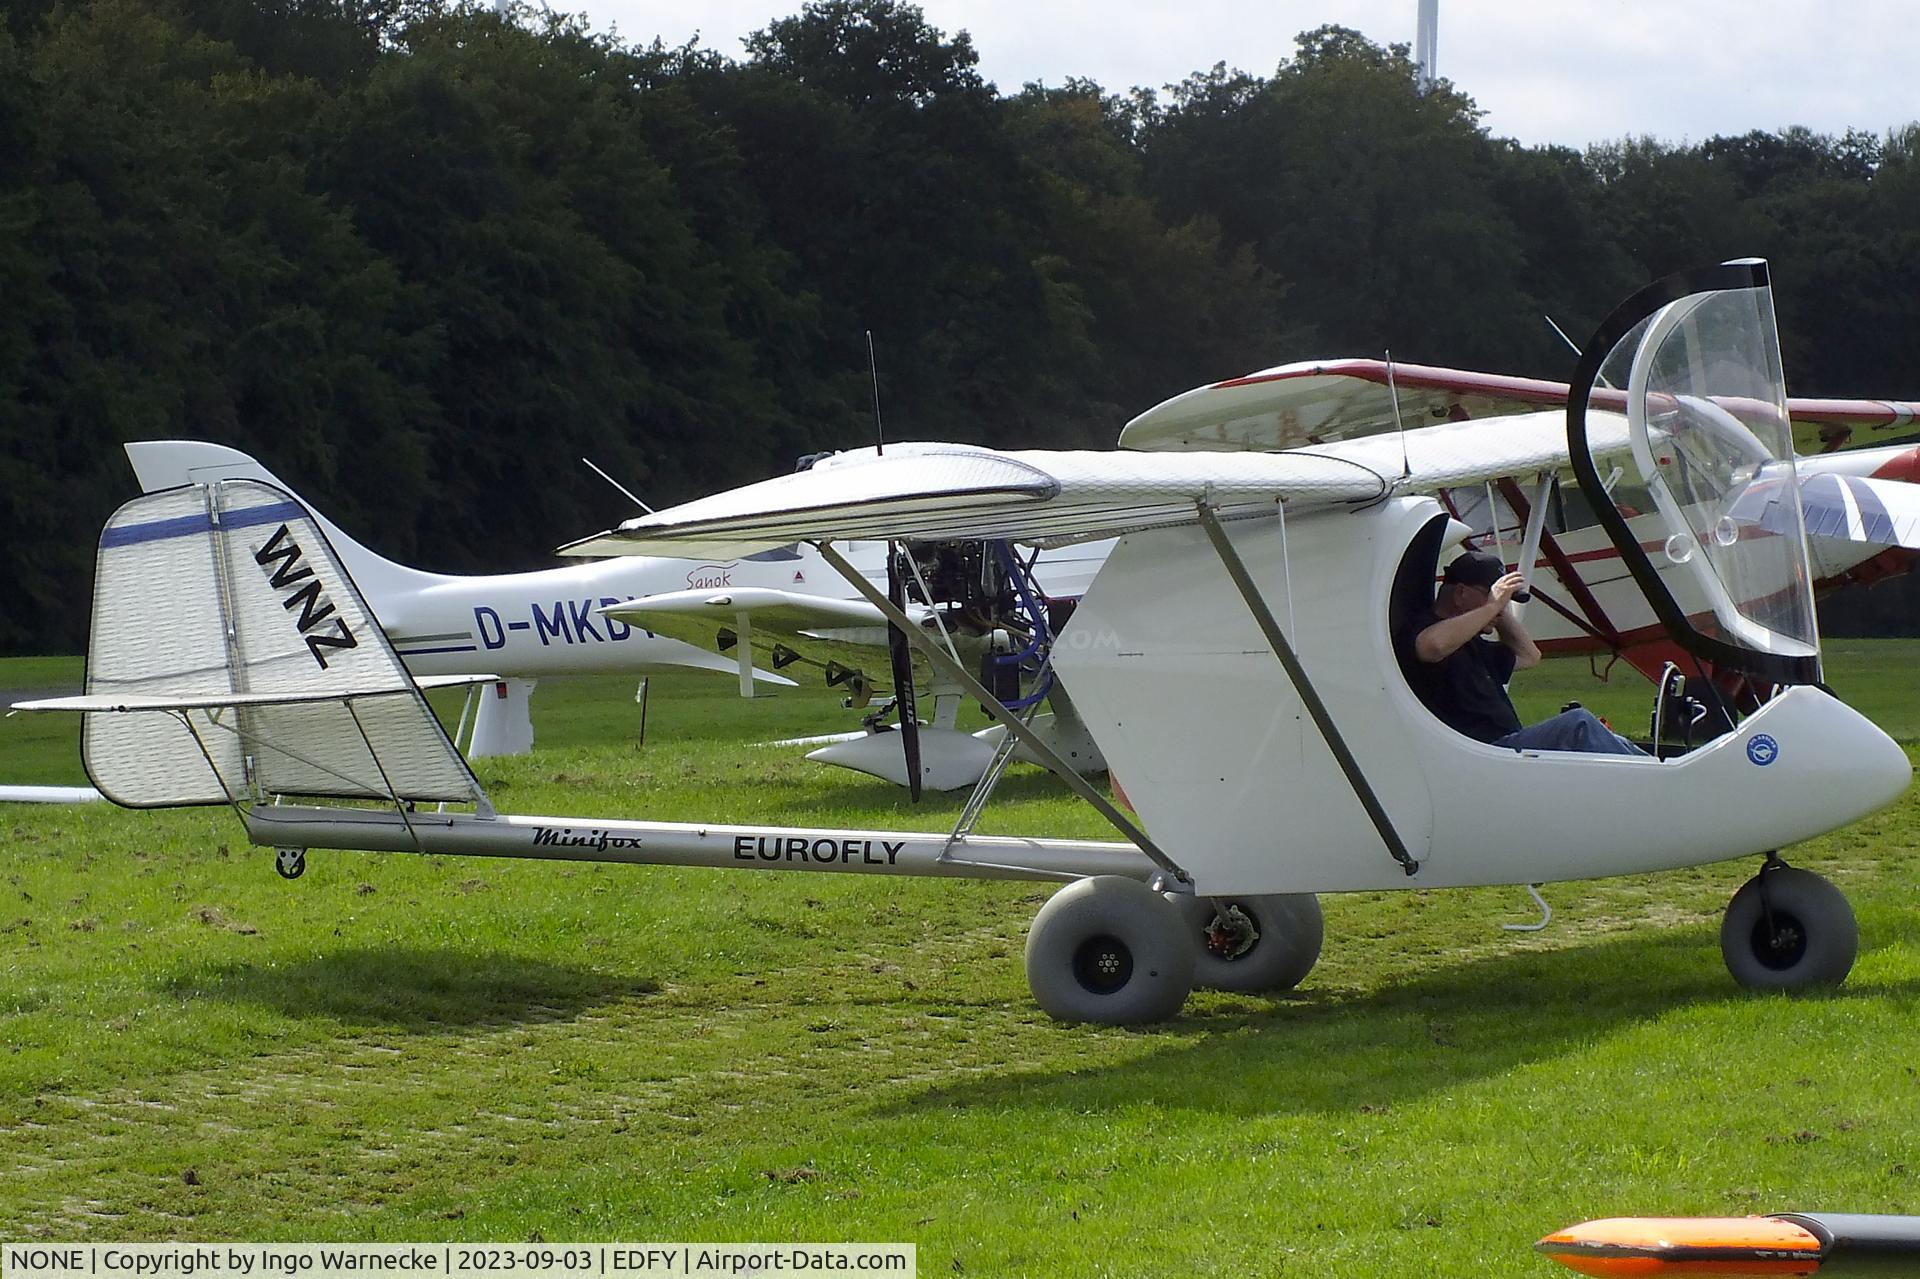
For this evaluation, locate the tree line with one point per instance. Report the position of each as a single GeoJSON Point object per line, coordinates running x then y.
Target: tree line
{"type": "Point", "coordinates": [421, 257]}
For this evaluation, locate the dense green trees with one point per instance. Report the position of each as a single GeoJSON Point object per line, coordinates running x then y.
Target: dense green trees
{"type": "Point", "coordinates": [424, 257]}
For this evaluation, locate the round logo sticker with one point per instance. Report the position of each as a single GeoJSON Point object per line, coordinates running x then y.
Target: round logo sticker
{"type": "Point", "coordinates": [1762, 750]}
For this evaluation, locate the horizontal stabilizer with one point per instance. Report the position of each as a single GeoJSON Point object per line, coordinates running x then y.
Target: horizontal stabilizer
{"type": "Point", "coordinates": [207, 701]}
{"type": "Point", "coordinates": [1852, 508]}
{"type": "Point", "coordinates": [1862, 509]}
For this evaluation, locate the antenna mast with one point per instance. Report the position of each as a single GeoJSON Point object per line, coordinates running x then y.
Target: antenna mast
{"type": "Point", "coordinates": [1393, 392]}
{"type": "Point", "coordinates": [873, 371]}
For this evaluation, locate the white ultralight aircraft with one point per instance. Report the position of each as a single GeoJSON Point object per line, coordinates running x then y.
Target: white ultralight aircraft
{"type": "Point", "coordinates": [1233, 659]}
{"type": "Point", "coordinates": [522, 627]}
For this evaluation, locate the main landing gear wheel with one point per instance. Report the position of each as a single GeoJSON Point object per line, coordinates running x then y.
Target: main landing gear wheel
{"type": "Point", "coordinates": [1788, 929]}
{"type": "Point", "coordinates": [1252, 944]}
{"type": "Point", "coordinates": [290, 862]}
{"type": "Point", "coordinates": [1109, 950]}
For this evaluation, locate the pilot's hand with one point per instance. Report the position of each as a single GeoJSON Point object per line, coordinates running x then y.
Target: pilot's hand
{"type": "Point", "coordinates": [1503, 590]}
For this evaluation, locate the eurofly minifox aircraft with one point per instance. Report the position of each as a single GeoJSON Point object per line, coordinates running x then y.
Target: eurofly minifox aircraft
{"type": "Point", "coordinates": [1234, 659]}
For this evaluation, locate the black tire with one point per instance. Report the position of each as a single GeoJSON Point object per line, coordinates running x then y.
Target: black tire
{"type": "Point", "coordinates": [1813, 940]}
{"type": "Point", "coordinates": [1109, 950]}
{"type": "Point", "coordinates": [1286, 931]}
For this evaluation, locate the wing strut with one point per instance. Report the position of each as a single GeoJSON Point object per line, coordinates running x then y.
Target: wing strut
{"type": "Point", "coordinates": [900, 658]}
{"type": "Point", "coordinates": [959, 674]}
{"type": "Point", "coordinates": [1596, 623]}
{"type": "Point", "coordinates": [1257, 605]}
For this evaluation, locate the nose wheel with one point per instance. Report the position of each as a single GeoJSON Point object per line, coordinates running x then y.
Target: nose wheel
{"type": "Point", "coordinates": [1788, 929]}
{"type": "Point", "coordinates": [290, 862]}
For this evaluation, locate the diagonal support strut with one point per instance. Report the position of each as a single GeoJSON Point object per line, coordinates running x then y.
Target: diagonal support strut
{"type": "Point", "coordinates": [1322, 719]}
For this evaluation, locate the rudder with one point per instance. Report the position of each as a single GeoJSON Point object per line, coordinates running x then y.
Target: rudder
{"type": "Point", "coordinates": [231, 590]}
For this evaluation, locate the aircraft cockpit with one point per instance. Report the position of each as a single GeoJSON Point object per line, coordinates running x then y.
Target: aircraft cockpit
{"type": "Point", "coordinates": [1682, 465]}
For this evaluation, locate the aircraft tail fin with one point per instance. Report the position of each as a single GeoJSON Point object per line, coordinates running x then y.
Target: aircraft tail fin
{"type": "Point", "coordinates": [233, 657]}
{"type": "Point", "coordinates": [165, 464]}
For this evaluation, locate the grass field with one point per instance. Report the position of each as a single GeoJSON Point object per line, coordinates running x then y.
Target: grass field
{"type": "Point", "coordinates": [404, 1048]}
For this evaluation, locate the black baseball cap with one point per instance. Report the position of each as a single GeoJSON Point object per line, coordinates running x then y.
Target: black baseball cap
{"type": "Point", "coordinates": [1475, 568]}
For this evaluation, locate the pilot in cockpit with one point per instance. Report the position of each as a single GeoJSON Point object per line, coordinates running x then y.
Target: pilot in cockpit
{"type": "Point", "coordinates": [1461, 673]}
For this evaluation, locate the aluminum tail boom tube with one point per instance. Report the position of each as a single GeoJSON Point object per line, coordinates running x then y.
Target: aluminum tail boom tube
{"type": "Point", "coordinates": [587, 839]}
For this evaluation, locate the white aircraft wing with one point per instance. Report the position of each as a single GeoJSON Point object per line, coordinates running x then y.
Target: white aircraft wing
{"type": "Point", "coordinates": [833, 639]}
{"type": "Point", "coordinates": [1323, 401]}
{"type": "Point", "coordinates": [953, 492]}
{"type": "Point", "coordinates": [776, 610]}
{"type": "Point", "coordinates": [1457, 453]}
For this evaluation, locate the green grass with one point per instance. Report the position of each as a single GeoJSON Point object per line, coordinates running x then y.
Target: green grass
{"type": "Point", "coordinates": [421, 1048]}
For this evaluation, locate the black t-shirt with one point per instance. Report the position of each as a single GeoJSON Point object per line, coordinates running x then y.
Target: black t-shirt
{"type": "Point", "coordinates": [1466, 689]}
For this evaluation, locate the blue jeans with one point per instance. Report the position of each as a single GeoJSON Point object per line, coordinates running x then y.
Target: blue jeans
{"type": "Point", "coordinates": [1575, 730]}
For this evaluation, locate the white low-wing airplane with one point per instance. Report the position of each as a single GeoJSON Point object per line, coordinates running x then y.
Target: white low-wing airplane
{"type": "Point", "coordinates": [1234, 659]}
{"type": "Point", "coordinates": [523, 627]}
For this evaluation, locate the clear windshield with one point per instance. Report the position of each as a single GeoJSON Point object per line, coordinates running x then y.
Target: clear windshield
{"type": "Point", "coordinates": [1705, 397]}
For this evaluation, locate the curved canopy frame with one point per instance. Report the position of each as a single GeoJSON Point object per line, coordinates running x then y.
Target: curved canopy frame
{"type": "Point", "coordinates": [1698, 357]}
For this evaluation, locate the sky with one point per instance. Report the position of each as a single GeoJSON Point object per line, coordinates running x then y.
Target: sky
{"type": "Point", "coordinates": [1543, 72]}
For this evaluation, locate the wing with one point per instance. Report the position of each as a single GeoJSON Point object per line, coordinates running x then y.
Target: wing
{"type": "Point", "coordinates": [833, 639]}
{"type": "Point", "coordinates": [1323, 401]}
{"type": "Point", "coordinates": [956, 492]}
{"type": "Point", "coordinates": [1457, 453]}
{"type": "Point", "coordinates": [788, 612]}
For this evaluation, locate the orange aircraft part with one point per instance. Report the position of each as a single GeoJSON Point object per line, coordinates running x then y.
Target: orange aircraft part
{"type": "Point", "coordinates": [1730, 1247]}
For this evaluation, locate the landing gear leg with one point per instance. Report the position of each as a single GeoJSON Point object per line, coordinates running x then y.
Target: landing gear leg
{"type": "Point", "coordinates": [1788, 929]}
{"type": "Point", "coordinates": [290, 862]}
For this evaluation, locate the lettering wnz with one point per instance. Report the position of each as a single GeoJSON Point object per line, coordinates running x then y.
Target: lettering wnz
{"type": "Point", "coordinates": [287, 570]}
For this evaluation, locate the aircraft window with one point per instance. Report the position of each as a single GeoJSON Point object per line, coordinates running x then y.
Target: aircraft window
{"type": "Point", "coordinates": [1412, 593]}
{"type": "Point", "coordinates": [791, 551]}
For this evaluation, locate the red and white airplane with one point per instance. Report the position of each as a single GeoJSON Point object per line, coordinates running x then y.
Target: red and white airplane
{"type": "Point", "coordinates": [1859, 465]}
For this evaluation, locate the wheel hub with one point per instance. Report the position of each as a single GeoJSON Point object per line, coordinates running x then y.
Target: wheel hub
{"type": "Point", "coordinates": [1231, 934]}
{"type": "Point", "coordinates": [1103, 964]}
{"type": "Point", "coordinates": [1781, 946]}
